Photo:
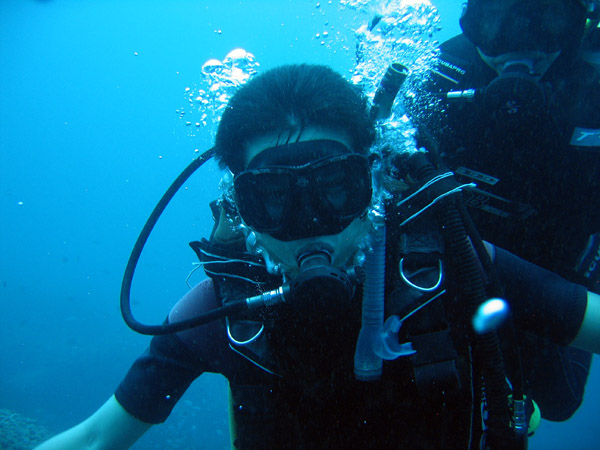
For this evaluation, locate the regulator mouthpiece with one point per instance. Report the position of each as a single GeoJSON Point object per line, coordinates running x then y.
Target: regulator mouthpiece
{"type": "Point", "coordinates": [320, 289]}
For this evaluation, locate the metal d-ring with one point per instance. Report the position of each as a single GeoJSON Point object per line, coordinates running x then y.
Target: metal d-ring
{"type": "Point", "coordinates": [246, 342]}
{"type": "Point", "coordinates": [421, 288]}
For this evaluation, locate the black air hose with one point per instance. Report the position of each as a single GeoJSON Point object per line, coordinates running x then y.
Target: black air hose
{"type": "Point", "coordinates": [486, 348]}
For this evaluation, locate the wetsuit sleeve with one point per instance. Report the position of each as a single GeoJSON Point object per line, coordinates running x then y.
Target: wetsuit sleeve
{"type": "Point", "coordinates": [158, 379]}
{"type": "Point", "coordinates": [542, 302]}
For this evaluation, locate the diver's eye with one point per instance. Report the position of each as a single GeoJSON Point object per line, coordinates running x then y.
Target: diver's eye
{"type": "Point", "coordinates": [273, 199]}
{"type": "Point", "coordinates": [334, 187]}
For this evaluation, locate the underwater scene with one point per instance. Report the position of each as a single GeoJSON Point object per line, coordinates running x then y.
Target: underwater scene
{"type": "Point", "coordinates": [104, 103]}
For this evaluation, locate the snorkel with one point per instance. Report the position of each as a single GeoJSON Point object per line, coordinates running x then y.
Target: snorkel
{"type": "Point", "coordinates": [377, 341]}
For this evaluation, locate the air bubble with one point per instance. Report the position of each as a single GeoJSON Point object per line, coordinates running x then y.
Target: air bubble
{"type": "Point", "coordinates": [219, 81]}
{"type": "Point", "coordinates": [212, 66]}
{"type": "Point", "coordinates": [402, 34]}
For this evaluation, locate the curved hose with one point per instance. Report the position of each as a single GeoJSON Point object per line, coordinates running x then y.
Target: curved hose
{"type": "Point", "coordinates": [137, 251]}
{"type": "Point", "coordinates": [486, 347]}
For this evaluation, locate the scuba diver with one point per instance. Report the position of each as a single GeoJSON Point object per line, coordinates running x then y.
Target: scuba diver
{"type": "Point", "coordinates": [372, 316]}
{"type": "Point", "coordinates": [518, 115]}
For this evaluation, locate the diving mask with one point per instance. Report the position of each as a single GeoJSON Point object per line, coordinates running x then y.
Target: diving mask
{"type": "Point", "coordinates": [303, 189]}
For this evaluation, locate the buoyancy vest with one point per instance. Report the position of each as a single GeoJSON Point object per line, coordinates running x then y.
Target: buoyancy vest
{"type": "Point", "coordinates": [306, 395]}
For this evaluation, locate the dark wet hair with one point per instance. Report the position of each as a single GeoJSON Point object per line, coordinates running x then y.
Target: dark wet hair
{"type": "Point", "coordinates": [290, 98]}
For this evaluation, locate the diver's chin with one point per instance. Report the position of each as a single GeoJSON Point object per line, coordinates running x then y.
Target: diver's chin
{"type": "Point", "coordinates": [284, 257]}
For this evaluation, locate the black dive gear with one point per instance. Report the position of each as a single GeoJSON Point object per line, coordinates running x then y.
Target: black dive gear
{"type": "Point", "coordinates": [505, 410]}
{"type": "Point", "coordinates": [527, 32]}
{"type": "Point", "coordinates": [292, 199]}
{"type": "Point", "coordinates": [532, 185]}
{"type": "Point", "coordinates": [499, 26]}
{"type": "Point", "coordinates": [516, 96]}
{"type": "Point", "coordinates": [504, 422]}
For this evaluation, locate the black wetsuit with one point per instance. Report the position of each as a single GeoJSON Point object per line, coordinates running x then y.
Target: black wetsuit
{"type": "Point", "coordinates": [296, 389]}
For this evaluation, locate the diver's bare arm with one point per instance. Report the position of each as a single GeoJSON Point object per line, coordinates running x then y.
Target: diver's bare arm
{"type": "Point", "coordinates": [588, 336]}
{"type": "Point", "coordinates": [109, 428]}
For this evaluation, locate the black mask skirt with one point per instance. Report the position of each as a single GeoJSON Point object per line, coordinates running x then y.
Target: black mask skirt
{"type": "Point", "coordinates": [303, 189]}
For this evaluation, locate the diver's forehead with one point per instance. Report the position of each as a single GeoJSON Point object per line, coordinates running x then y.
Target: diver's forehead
{"type": "Point", "coordinates": [257, 145]}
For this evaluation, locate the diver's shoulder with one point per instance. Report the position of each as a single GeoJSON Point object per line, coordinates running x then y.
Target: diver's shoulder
{"type": "Point", "coordinates": [458, 60]}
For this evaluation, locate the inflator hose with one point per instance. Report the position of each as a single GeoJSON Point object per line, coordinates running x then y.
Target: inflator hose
{"type": "Point", "coordinates": [497, 290]}
{"type": "Point", "coordinates": [486, 347]}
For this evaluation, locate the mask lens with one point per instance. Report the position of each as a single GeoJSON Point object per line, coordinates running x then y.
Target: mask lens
{"type": "Point", "coordinates": [319, 198]}
{"type": "Point", "coordinates": [344, 185]}
{"type": "Point", "coordinates": [262, 197]}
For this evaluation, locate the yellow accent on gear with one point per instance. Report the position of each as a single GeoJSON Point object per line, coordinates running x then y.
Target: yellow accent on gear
{"type": "Point", "coordinates": [535, 419]}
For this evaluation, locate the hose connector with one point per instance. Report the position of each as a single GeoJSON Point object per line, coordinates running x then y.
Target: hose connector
{"type": "Point", "coordinates": [269, 299]}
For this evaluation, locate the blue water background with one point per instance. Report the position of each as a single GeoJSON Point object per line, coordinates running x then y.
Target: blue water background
{"type": "Point", "coordinates": [89, 140]}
